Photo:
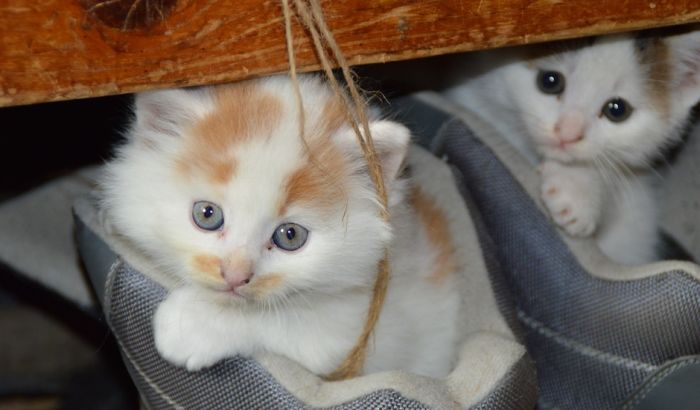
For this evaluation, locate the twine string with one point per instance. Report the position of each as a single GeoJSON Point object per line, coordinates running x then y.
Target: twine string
{"type": "Point", "coordinates": [312, 19]}
{"type": "Point", "coordinates": [293, 66]}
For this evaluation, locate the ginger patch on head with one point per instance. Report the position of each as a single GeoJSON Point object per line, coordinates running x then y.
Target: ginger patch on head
{"type": "Point", "coordinates": [320, 181]}
{"type": "Point", "coordinates": [242, 111]}
{"type": "Point", "coordinates": [318, 185]}
{"type": "Point", "coordinates": [654, 54]}
{"type": "Point", "coordinates": [218, 169]}
{"type": "Point", "coordinates": [333, 116]}
{"type": "Point", "coordinates": [437, 229]}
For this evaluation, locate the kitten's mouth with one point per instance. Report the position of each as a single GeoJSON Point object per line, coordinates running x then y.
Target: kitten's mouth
{"type": "Point", "coordinates": [229, 292]}
{"type": "Point", "coordinates": [558, 145]}
{"type": "Point", "coordinates": [234, 293]}
{"type": "Point", "coordinates": [562, 154]}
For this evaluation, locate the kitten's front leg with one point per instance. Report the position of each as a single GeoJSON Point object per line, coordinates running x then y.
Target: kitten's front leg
{"type": "Point", "coordinates": [192, 331]}
{"type": "Point", "coordinates": [573, 196]}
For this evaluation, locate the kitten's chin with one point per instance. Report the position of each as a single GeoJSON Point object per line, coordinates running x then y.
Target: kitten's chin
{"type": "Point", "coordinates": [224, 295]}
{"type": "Point", "coordinates": [559, 154]}
{"type": "Point", "coordinates": [241, 297]}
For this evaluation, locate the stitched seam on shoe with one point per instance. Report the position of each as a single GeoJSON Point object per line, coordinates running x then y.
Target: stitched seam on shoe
{"type": "Point", "coordinates": [654, 381]}
{"type": "Point", "coordinates": [583, 349]}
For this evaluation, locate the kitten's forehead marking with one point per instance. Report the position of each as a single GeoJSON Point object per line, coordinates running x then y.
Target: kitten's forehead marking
{"type": "Point", "coordinates": [653, 56]}
{"type": "Point", "coordinates": [241, 111]}
{"type": "Point", "coordinates": [319, 180]}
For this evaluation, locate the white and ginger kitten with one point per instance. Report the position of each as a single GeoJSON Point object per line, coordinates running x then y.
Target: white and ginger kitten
{"type": "Point", "coordinates": [275, 244]}
{"type": "Point", "coordinates": [594, 117]}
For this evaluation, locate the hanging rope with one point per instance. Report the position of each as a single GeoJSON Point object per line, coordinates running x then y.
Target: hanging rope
{"type": "Point", "coordinates": [311, 17]}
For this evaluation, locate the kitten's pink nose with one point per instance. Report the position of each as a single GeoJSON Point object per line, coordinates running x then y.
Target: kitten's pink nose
{"type": "Point", "coordinates": [569, 128]}
{"type": "Point", "coordinates": [237, 270]}
{"type": "Point", "coordinates": [235, 281]}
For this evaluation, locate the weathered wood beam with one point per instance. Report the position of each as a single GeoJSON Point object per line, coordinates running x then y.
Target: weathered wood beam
{"type": "Point", "coordinates": [65, 49]}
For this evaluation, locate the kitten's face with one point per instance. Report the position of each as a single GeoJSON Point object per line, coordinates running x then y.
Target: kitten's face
{"type": "Point", "coordinates": [596, 103]}
{"type": "Point", "coordinates": [232, 201]}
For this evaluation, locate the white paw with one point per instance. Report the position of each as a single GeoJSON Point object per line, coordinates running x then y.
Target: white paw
{"type": "Point", "coordinates": [570, 197]}
{"type": "Point", "coordinates": [181, 338]}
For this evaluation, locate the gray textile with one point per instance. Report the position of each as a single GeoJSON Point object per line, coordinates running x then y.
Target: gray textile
{"type": "Point", "coordinates": [680, 210]}
{"type": "Point", "coordinates": [594, 341]}
{"type": "Point", "coordinates": [674, 386]}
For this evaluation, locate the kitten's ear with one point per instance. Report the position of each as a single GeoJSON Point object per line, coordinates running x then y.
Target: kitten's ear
{"type": "Point", "coordinates": [685, 66]}
{"type": "Point", "coordinates": [391, 141]}
{"type": "Point", "coordinates": [167, 111]}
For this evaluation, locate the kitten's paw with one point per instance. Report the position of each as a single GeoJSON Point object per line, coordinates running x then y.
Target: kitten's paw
{"type": "Point", "coordinates": [570, 197]}
{"type": "Point", "coordinates": [180, 337]}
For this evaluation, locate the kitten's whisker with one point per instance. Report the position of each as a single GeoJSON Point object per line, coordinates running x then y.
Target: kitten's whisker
{"type": "Point", "coordinates": [648, 165]}
{"type": "Point", "coordinates": [292, 308]}
{"type": "Point", "coordinates": [276, 310]}
{"type": "Point", "coordinates": [627, 176]}
{"type": "Point", "coordinates": [634, 178]}
{"type": "Point", "coordinates": [614, 177]}
{"type": "Point", "coordinates": [295, 309]}
{"type": "Point", "coordinates": [600, 167]}
{"type": "Point", "coordinates": [608, 180]}
{"type": "Point", "coordinates": [314, 315]}
{"type": "Point", "coordinates": [617, 172]}
{"type": "Point", "coordinates": [301, 295]}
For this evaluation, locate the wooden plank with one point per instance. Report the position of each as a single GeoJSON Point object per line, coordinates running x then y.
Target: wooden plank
{"type": "Point", "coordinates": [64, 49]}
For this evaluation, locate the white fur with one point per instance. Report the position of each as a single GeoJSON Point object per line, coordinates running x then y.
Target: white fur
{"type": "Point", "coordinates": [599, 183]}
{"type": "Point", "coordinates": [316, 315]}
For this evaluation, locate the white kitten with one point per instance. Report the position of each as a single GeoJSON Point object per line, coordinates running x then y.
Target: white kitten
{"type": "Point", "coordinates": [595, 115]}
{"type": "Point", "coordinates": [276, 245]}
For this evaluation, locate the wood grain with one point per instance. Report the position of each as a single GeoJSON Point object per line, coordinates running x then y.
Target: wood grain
{"type": "Point", "coordinates": [65, 49]}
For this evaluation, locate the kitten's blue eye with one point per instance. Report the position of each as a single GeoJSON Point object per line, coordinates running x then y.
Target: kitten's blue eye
{"type": "Point", "coordinates": [617, 109]}
{"type": "Point", "coordinates": [290, 236]}
{"type": "Point", "coordinates": [207, 215]}
{"type": "Point", "coordinates": [550, 82]}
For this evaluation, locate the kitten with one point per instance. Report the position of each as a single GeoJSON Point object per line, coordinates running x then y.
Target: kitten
{"type": "Point", "coordinates": [275, 244]}
{"type": "Point", "coordinates": [594, 117]}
